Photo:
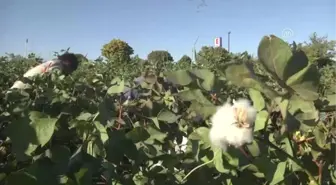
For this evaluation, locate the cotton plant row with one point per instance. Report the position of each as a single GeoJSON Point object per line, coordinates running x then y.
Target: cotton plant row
{"type": "Point", "coordinates": [131, 129]}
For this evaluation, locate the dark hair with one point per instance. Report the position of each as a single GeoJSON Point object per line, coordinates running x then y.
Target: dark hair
{"type": "Point", "coordinates": [70, 59]}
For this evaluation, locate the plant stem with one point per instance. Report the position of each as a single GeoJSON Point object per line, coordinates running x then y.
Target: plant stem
{"type": "Point", "coordinates": [194, 169]}
{"type": "Point", "coordinates": [311, 177]}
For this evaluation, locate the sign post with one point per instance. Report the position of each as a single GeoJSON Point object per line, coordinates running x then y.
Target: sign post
{"type": "Point", "coordinates": [218, 42]}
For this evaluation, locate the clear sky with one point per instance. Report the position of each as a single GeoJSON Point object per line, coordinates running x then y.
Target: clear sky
{"type": "Point", "coordinates": [173, 25]}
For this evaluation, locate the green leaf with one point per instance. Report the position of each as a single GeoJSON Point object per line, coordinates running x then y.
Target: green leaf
{"type": "Point", "coordinates": [283, 105]}
{"type": "Point", "coordinates": [218, 160]}
{"type": "Point", "coordinates": [197, 95]}
{"type": "Point", "coordinates": [118, 146]}
{"type": "Point", "coordinates": [117, 88]}
{"type": "Point", "coordinates": [296, 103]}
{"type": "Point", "coordinates": [138, 134]}
{"type": "Point", "coordinates": [38, 129]}
{"type": "Point", "coordinates": [298, 77]}
{"type": "Point", "coordinates": [167, 116]}
{"type": "Point", "coordinates": [102, 131]}
{"type": "Point", "coordinates": [274, 54]}
{"type": "Point", "coordinates": [260, 121]}
{"type": "Point", "coordinates": [204, 77]}
{"type": "Point", "coordinates": [180, 77]}
{"type": "Point", "coordinates": [307, 83]}
{"type": "Point", "coordinates": [242, 75]}
{"type": "Point", "coordinates": [207, 77]}
{"type": "Point", "coordinates": [84, 176]}
{"type": "Point", "coordinates": [156, 134]}
{"type": "Point", "coordinates": [266, 166]}
{"type": "Point", "coordinates": [84, 116]}
{"type": "Point", "coordinates": [203, 110]}
{"type": "Point", "coordinates": [279, 173]}
{"type": "Point", "coordinates": [95, 148]}
{"type": "Point", "coordinates": [258, 99]}
{"type": "Point", "coordinates": [60, 154]}
{"type": "Point", "coordinates": [43, 125]}
{"type": "Point", "coordinates": [202, 134]}
{"type": "Point", "coordinates": [254, 149]}
{"type": "Point", "coordinates": [320, 137]}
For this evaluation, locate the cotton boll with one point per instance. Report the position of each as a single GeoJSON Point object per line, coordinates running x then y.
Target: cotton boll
{"type": "Point", "coordinates": [226, 129]}
{"type": "Point", "coordinates": [221, 120]}
{"type": "Point", "coordinates": [250, 111]}
{"type": "Point", "coordinates": [238, 136]}
{"type": "Point", "coordinates": [182, 147]}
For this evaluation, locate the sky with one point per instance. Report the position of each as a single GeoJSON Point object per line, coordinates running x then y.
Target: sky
{"type": "Point", "coordinates": [147, 25]}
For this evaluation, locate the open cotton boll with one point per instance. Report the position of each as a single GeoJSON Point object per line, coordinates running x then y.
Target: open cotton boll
{"type": "Point", "coordinates": [225, 128]}
{"type": "Point", "coordinates": [181, 147]}
{"type": "Point", "coordinates": [251, 112]}
{"type": "Point", "coordinates": [221, 120]}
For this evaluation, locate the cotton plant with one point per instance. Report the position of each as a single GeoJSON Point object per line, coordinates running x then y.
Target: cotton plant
{"type": "Point", "coordinates": [232, 124]}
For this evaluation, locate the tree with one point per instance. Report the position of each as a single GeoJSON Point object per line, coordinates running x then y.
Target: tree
{"type": "Point", "coordinates": [184, 63]}
{"type": "Point", "coordinates": [35, 57]}
{"type": "Point", "coordinates": [319, 50]}
{"type": "Point", "coordinates": [212, 57]}
{"type": "Point", "coordinates": [117, 50]}
{"type": "Point", "coordinates": [160, 60]}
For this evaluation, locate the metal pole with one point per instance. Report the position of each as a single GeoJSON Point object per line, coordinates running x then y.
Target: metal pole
{"type": "Point", "coordinates": [229, 41]}
{"type": "Point", "coordinates": [194, 50]}
{"type": "Point", "coordinates": [26, 47]}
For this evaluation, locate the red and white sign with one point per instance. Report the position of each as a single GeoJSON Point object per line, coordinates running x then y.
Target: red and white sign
{"type": "Point", "coordinates": [218, 42]}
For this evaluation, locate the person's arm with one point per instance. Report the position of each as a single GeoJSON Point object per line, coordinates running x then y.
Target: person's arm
{"type": "Point", "coordinates": [43, 68]}
{"type": "Point", "coordinates": [37, 70]}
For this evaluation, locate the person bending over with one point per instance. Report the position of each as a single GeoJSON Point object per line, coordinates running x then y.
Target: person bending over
{"type": "Point", "coordinates": [66, 63]}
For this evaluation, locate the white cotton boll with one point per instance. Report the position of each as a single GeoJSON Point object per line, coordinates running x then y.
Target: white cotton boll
{"type": "Point", "coordinates": [251, 111]}
{"type": "Point", "coordinates": [238, 136]}
{"type": "Point", "coordinates": [220, 122]}
{"type": "Point", "coordinates": [225, 130]}
{"type": "Point", "coordinates": [182, 147]}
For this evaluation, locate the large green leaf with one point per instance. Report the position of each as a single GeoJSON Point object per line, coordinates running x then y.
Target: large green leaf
{"type": "Point", "coordinates": [195, 94]}
{"type": "Point", "coordinates": [242, 75]}
{"type": "Point", "coordinates": [279, 173]}
{"type": "Point", "coordinates": [167, 116]}
{"type": "Point", "coordinates": [298, 62]}
{"type": "Point", "coordinates": [305, 83]}
{"type": "Point", "coordinates": [117, 87]}
{"type": "Point", "coordinates": [204, 77]}
{"type": "Point", "coordinates": [43, 125]}
{"type": "Point", "coordinates": [218, 160]}
{"type": "Point", "coordinates": [155, 135]}
{"type": "Point", "coordinates": [274, 54]}
{"type": "Point", "coordinates": [207, 78]}
{"type": "Point", "coordinates": [258, 100]}
{"type": "Point", "coordinates": [180, 77]}
{"type": "Point", "coordinates": [38, 129]}
{"type": "Point", "coordinates": [138, 134]}
{"type": "Point", "coordinates": [260, 121]}
{"type": "Point", "coordinates": [202, 134]}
